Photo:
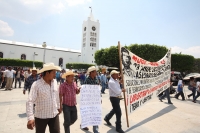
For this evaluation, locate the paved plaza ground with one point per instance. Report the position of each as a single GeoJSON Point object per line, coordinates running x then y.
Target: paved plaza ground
{"type": "Point", "coordinates": [154, 117]}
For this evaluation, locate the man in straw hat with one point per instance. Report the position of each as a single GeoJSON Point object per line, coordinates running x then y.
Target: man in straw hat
{"type": "Point", "coordinates": [67, 93]}
{"type": "Point", "coordinates": [30, 79]}
{"type": "Point", "coordinates": [45, 95]}
{"type": "Point", "coordinates": [115, 96]}
{"type": "Point", "coordinates": [91, 79]}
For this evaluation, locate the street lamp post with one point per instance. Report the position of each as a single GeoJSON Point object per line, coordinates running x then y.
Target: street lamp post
{"type": "Point", "coordinates": [44, 45]}
{"type": "Point", "coordinates": [34, 58]}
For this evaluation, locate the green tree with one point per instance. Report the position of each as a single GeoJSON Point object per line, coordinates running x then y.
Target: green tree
{"type": "Point", "coordinates": [182, 63]}
{"type": "Point", "coordinates": [196, 67]}
{"type": "Point", "coordinates": [110, 57]}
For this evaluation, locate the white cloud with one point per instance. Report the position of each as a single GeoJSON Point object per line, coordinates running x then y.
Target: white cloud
{"type": "Point", "coordinates": [29, 11]}
{"type": "Point", "coordinates": [5, 29]}
{"type": "Point", "coordinates": [76, 2]}
{"type": "Point", "coordinates": [194, 51]}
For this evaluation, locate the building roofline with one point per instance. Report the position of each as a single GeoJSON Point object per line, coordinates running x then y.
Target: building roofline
{"type": "Point", "coordinates": [38, 46]}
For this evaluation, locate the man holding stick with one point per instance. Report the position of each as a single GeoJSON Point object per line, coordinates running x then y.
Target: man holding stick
{"type": "Point", "coordinates": [115, 97]}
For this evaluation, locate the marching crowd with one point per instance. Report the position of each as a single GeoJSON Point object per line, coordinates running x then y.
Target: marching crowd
{"type": "Point", "coordinates": [46, 101]}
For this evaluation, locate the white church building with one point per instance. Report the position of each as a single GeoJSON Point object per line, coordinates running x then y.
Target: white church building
{"type": "Point", "coordinates": [59, 56]}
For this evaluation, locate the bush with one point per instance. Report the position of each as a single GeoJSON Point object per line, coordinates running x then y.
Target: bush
{"type": "Point", "coordinates": [18, 62]}
{"type": "Point", "coordinates": [78, 65]}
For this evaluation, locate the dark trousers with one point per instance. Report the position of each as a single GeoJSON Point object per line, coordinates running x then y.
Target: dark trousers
{"type": "Point", "coordinates": [116, 110]}
{"type": "Point", "coordinates": [198, 94]}
{"type": "Point", "coordinates": [53, 123]}
{"type": "Point", "coordinates": [18, 80]}
{"type": "Point", "coordinates": [70, 116]}
{"type": "Point", "coordinates": [193, 93]}
{"type": "Point", "coordinates": [166, 95]}
{"type": "Point", "coordinates": [180, 93]}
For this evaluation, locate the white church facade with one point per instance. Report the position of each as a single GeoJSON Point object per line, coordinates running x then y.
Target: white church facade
{"type": "Point", "coordinates": [59, 56]}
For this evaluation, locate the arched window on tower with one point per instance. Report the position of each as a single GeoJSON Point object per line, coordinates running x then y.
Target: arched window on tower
{"type": "Point", "coordinates": [60, 63]}
{"type": "Point", "coordinates": [23, 57]}
{"type": "Point", "coordinates": [1, 55]}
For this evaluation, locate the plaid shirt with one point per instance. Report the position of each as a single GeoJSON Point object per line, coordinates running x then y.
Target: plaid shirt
{"type": "Point", "coordinates": [29, 81]}
{"type": "Point", "coordinates": [68, 91]}
{"type": "Point", "coordinates": [46, 98]}
{"type": "Point", "coordinates": [91, 81]}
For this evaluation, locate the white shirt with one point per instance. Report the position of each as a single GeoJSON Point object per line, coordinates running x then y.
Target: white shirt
{"type": "Point", "coordinates": [26, 74]}
{"type": "Point", "coordinates": [9, 74]}
{"type": "Point", "coordinates": [45, 97]}
{"type": "Point", "coordinates": [114, 88]}
{"type": "Point", "coordinates": [198, 86]}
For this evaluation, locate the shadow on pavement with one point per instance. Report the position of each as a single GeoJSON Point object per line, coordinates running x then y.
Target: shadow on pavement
{"type": "Point", "coordinates": [22, 115]}
{"type": "Point", "coordinates": [158, 114]}
{"type": "Point", "coordinates": [112, 130]}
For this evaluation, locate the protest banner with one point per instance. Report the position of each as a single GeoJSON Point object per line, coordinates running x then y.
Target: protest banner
{"type": "Point", "coordinates": [143, 80]}
{"type": "Point", "coordinates": [90, 105]}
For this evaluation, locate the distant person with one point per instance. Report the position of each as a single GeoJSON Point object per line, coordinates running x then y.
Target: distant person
{"type": "Point", "coordinates": [192, 87]}
{"type": "Point", "coordinates": [58, 76]}
{"type": "Point", "coordinates": [18, 77]}
{"type": "Point", "coordinates": [9, 77]}
{"type": "Point", "coordinates": [104, 82]}
{"type": "Point", "coordinates": [180, 90]}
{"type": "Point", "coordinates": [30, 80]}
{"type": "Point", "coordinates": [198, 92]}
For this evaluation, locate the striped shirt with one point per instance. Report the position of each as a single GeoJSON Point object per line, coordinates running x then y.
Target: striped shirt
{"type": "Point", "coordinates": [68, 91]}
{"type": "Point", "coordinates": [45, 97]}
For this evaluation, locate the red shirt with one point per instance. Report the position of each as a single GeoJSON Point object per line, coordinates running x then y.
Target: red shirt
{"type": "Point", "coordinates": [68, 91]}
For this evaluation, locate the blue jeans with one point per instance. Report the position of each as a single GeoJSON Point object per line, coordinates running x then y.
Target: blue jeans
{"type": "Point", "coordinates": [103, 87]}
{"type": "Point", "coordinates": [95, 129]}
{"type": "Point", "coordinates": [193, 93]}
{"type": "Point", "coordinates": [166, 95]}
{"type": "Point", "coordinates": [198, 94]}
{"type": "Point", "coordinates": [70, 116]}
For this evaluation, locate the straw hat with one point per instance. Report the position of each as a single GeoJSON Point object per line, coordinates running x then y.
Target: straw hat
{"type": "Point", "coordinates": [90, 69]}
{"type": "Point", "coordinates": [34, 69]}
{"type": "Point", "coordinates": [49, 66]}
{"type": "Point", "coordinates": [67, 74]}
{"type": "Point", "coordinates": [114, 72]}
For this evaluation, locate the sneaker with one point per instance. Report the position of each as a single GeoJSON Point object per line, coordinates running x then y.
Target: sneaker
{"type": "Point", "coordinates": [170, 103]}
{"type": "Point", "coordinates": [86, 128]}
{"type": "Point", "coordinates": [120, 131]}
{"type": "Point", "coordinates": [107, 122]}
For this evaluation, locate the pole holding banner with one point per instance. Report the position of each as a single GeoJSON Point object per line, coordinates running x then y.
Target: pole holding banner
{"type": "Point", "coordinates": [120, 60]}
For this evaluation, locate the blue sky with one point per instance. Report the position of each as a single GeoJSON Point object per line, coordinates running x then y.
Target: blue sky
{"type": "Point", "coordinates": [171, 23]}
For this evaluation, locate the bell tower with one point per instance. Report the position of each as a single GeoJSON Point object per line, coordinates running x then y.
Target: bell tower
{"type": "Point", "coordinates": [90, 39]}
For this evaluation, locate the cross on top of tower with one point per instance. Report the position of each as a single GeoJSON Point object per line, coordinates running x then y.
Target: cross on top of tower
{"type": "Point", "coordinates": [90, 8]}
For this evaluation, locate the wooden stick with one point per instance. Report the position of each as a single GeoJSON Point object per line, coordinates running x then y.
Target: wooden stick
{"type": "Point", "coordinates": [120, 60]}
